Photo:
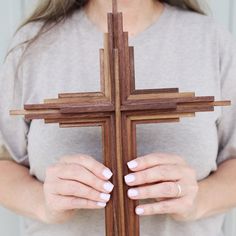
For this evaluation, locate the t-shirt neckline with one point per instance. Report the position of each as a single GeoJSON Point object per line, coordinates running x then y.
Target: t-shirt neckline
{"type": "Point", "coordinates": [156, 24]}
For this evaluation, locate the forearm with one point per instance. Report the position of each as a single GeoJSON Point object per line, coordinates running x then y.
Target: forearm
{"type": "Point", "coordinates": [217, 193]}
{"type": "Point", "coordinates": [19, 191]}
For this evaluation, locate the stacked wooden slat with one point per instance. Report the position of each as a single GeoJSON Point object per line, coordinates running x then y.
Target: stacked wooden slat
{"type": "Point", "coordinates": [118, 108]}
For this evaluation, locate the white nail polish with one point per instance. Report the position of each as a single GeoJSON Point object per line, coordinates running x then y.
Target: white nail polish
{"type": "Point", "coordinates": [107, 173]}
{"type": "Point", "coordinates": [132, 193]}
{"type": "Point", "coordinates": [101, 204]}
{"type": "Point", "coordinates": [108, 186]}
{"type": "Point", "coordinates": [132, 164]}
{"type": "Point", "coordinates": [105, 196]}
{"type": "Point", "coordinates": [139, 211]}
{"type": "Point", "coordinates": [129, 178]}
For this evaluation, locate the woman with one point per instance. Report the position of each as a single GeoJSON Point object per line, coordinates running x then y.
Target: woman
{"type": "Point", "coordinates": [189, 167]}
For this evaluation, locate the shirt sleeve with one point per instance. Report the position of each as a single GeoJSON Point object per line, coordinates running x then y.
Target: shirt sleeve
{"type": "Point", "coordinates": [227, 121]}
{"type": "Point", "coordinates": [13, 130]}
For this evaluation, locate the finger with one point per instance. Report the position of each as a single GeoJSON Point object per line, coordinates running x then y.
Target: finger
{"type": "Point", "coordinates": [158, 191]}
{"type": "Point", "coordinates": [79, 190]}
{"type": "Point", "coordinates": [155, 174]}
{"type": "Point", "coordinates": [154, 159]}
{"type": "Point", "coordinates": [78, 173]}
{"type": "Point", "coordinates": [89, 163]}
{"type": "Point", "coordinates": [174, 206]}
{"type": "Point", "coordinates": [61, 203]}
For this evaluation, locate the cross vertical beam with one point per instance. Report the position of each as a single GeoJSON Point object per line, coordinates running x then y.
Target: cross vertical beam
{"type": "Point", "coordinates": [118, 108]}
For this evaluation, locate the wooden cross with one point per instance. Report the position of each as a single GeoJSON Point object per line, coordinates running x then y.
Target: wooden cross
{"type": "Point", "coordinates": [118, 108]}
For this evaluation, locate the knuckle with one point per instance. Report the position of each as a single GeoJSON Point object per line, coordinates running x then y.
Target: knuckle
{"type": "Point", "coordinates": [83, 158]}
{"type": "Point", "coordinates": [80, 158]}
{"type": "Point", "coordinates": [88, 192]}
{"type": "Point", "coordinates": [163, 170]}
{"type": "Point", "coordinates": [144, 176]}
{"type": "Point", "coordinates": [74, 202]}
{"type": "Point", "coordinates": [169, 189]}
{"type": "Point", "coordinates": [72, 189]}
{"type": "Point", "coordinates": [84, 203]}
{"type": "Point", "coordinates": [180, 159]}
{"type": "Point", "coordinates": [151, 209]}
{"type": "Point", "coordinates": [76, 171]}
{"type": "Point", "coordinates": [146, 192]}
{"type": "Point", "coordinates": [165, 207]}
{"type": "Point", "coordinates": [98, 184]}
{"type": "Point", "coordinates": [95, 166]}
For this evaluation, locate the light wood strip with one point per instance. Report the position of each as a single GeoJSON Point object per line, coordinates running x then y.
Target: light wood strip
{"type": "Point", "coordinates": [161, 116]}
{"type": "Point", "coordinates": [161, 95]}
{"type": "Point", "coordinates": [76, 95]}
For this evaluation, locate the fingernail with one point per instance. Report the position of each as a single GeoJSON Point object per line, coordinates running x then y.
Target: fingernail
{"type": "Point", "coordinates": [139, 211]}
{"type": "Point", "coordinates": [101, 204]}
{"type": "Point", "coordinates": [132, 192]}
{"type": "Point", "coordinates": [129, 178]}
{"type": "Point", "coordinates": [108, 186]}
{"type": "Point", "coordinates": [105, 196]}
{"type": "Point", "coordinates": [107, 173]}
{"type": "Point", "coordinates": [132, 164]}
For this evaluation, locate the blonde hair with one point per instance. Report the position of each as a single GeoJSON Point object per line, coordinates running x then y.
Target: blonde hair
{"type": "Point", "coordinates": [56, 10]}
{"type": "Point", "coordinates": [51, 12]}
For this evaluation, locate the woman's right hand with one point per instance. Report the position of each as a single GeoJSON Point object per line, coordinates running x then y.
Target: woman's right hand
{"type": "Point", "coordinates": [75, 182]}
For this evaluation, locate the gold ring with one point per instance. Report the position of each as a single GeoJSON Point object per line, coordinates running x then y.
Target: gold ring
{"type": "Point", "coordinates": [179, 191]}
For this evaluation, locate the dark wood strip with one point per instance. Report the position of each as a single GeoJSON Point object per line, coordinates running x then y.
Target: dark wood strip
{"type": "Point", "coordinates": [114, 6]}
{"type": "Point", "coordinates": [112, 215]}
{"type": "Point", "coordinates": [119, 147]}
{"type": "Point", "coordinates": [132, 71]}
{"type": "Point", "coordinates": [129, 153]}
{"type": "Point", "coordinates": [102, 72]}
{"type": "Point", "coordinates": [111, 46]}
{"type": "Point", "coordinates": [147, 106]}
{"type": "Point", "coordinates": [179, 100]}
{"type": "Point", "coordinates": [127, 79]}
{"type": "Point", "coordinates": [82, 109]}
{"type": "Point", "coordinates": [122, 59]}
{"type": "Point", "coordinates": [79, 106]}
{"type": "Point", "coordinates": [156, 121]}
{"type": "Point", "coordinates": [161, 90]}
{"type": "Point", "coordinates": [195, 108]}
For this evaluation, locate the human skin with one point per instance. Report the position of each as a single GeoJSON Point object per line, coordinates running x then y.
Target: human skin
{"type": "Point", "coordinates": [57, 199]}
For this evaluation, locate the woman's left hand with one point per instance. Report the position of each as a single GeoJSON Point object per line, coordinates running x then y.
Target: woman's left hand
{"type": "Point", "coordinates": [167, 179]}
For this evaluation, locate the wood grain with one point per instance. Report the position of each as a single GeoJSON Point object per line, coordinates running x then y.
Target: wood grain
{"type": "Point", "coordinates": [118, 108]}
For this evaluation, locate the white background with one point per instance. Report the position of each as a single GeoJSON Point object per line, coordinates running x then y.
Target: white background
{"type": "Point", "coordinates": [11, 14]}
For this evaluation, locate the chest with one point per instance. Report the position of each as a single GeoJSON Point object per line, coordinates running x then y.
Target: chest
{"type": "Point", "coordinates": [78, 71]}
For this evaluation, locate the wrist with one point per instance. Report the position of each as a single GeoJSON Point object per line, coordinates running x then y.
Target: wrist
{"type": "Point", "coordinates": [201, 201]}
{"type": "Point", "coordinates": [41, 210]}
{"type": "Point", "coordinates": [198, 209]}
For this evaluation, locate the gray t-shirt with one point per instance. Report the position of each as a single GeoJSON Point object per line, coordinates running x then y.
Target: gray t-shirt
{"type": "Point", "coordinates": [182, 49]}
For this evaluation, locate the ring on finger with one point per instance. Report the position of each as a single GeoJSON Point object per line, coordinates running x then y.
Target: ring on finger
{"type": "Point", "coordinates": [179, 190]}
